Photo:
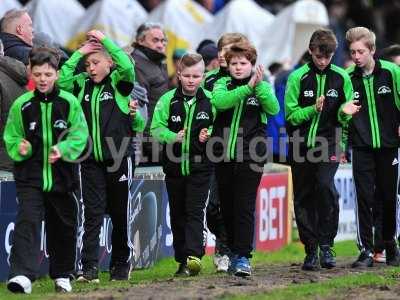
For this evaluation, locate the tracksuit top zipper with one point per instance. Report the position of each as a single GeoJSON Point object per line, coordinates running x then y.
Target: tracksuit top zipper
{"type": "Point", "coordinates": [237, 114]}
{"type": "Point", "coordinates": [190, 107]}
{"type": "Point", "coordinates": [373, 116]}
{"type": "Point", "coordinates": [96, 138]}
{"type": "Point", "coordinates": [312, 133]}
{"type": "Point", "coordinates": [46, 109]}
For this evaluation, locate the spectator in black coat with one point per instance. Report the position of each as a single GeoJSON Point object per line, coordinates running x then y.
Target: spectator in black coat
{"type": "Point", "coordinates": [16, 32]}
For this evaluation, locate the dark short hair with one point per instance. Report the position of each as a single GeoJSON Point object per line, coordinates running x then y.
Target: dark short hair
{"type": "Point", "coordinates": [44, 55]}
{"type": "Point", "coordinates": [389, 52]}
{"type": "Point", "coordinates": [323, 40]}
{"type": "Point", "coordinates": [242, 49]}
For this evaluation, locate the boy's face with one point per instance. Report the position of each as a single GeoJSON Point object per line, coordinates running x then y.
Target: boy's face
{"type": "Point", "coordinates": [360, 53]}
{"type": "Point", "coordinates": [221, 55]}
{"type": "Point", "coordinates": [240, 67]}
{"type": "Point", "coordinates": [320, 60]}
{"type": "Point", "coordinates": [191, 78]}
{"type": "Point", "coordinates": [98, 66]}
{"type": "Point", "coordinates": [44, 77]}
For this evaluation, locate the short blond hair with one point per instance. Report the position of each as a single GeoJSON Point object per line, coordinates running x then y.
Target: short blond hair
{"type": "Point", "coordinates": [188, 60]}
{"type": "Point", "coordinates": [231, 38]}
{"type": "Point", "coordinates": [356, 34]}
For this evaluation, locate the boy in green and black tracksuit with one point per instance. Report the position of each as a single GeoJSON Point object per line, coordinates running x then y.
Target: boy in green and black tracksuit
{"type": "Point", "coordinates": [45, 133]}
{"type": "Point", "coordinates": [178, 122]}
{"type": "Point", "coordinates": [103, 91]}
{"type": "Point", "coordinates": [315, 101]}
{"type": "Point", "coordinates": [215, 220]}
{"type": "Point", "coordinates": [374, 137]}
{"type": "Point", "coordinates": [242, 101]}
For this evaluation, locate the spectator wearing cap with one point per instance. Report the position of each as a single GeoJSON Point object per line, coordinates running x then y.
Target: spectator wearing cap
{"type": "Point", "coordinates": [151, 74]}
{"type": "Point", "coordinates": [16, 32]}
{"type": "Point", "coordinates": [176, 57]}
{"type": "Point", "coordinates": [13, 79]}
{"type": "Point", "coordinates": [209, 52]}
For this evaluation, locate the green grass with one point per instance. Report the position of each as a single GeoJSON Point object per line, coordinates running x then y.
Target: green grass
{"type": "Point", "coordinates": [43, 288]}
{"type": "Point", "coordinates": [327, 288]}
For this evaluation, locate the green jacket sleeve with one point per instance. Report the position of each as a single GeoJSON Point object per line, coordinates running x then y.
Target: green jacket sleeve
{"type": "Point", "coordinates": [224, 99]}
{"type": "Point", "coordinates": [159, 124]}
{"type": "Point", "coordinates": [397, 86]}
{"type": "Point", "coordinates": [295, 114]}
{"type": "Point", "coordinates": [67, 79]}
{"type": "Point", "coordinates": [14, 133]}
{"type": "Point", "coordinates": [214, 112]}
{"type": "Point", "coordinates": [125, 68]}
{"type": "Point", "coordinates": [348, 94]}
{"type": "Point", "coordinates": [75, 142]}
{"type": "Point", "coordinates": [139, 123]}
{"type": "Point", "coordinates": [267, 98]}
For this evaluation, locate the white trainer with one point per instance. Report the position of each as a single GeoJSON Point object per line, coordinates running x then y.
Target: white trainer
{"type": "Point", "coordinates": [62, 285]}
{"type": "Point", "coordinates": [221, 262]}
{"type": "Point", "coordinates": [20, 284]}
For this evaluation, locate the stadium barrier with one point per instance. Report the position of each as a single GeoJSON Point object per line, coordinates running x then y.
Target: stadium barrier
{"type": "Point", "coordinates": [150, 228]}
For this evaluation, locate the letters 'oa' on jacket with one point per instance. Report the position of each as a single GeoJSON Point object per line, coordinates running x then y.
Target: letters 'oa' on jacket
{"type": "Point", "coordinates": [105, 104]}
{"type": "Point", "coordinates": [242, 118]}
{"type": "Point", "coordinates": [45, 121]}
{"type": "Point", "coordinates": [174, 112]}
{"type": "Point", "coordinates": [305, 85]}
{"type": "Point", "coordinates": [377, 123]}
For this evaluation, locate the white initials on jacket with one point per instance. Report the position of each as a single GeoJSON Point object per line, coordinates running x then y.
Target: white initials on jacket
{"type": "Point", "coordinates": [309, 93]}
{"type": "Point", "coordinates": [176, 119]}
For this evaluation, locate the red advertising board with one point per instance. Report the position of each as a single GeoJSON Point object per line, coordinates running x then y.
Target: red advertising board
{"type": "Point", "coordinates": [272, 217]}
{"type": "Point", "coordinates": [272, 220]}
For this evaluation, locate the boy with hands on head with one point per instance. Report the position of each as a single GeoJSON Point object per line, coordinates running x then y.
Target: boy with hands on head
{"type": "Point", "coordinates": [104, 92]}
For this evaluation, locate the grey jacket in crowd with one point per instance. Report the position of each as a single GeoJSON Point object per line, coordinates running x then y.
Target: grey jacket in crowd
{"type": "Point", "coordinates": [153, 76]}
{"type": "Point", "coordinates": [13, 78]}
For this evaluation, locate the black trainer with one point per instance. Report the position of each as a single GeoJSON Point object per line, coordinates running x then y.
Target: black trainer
{"type": "Point", "coordinates": [364, 260]}
{"type": "Point", "coordinates": [392, 254]}
{"type": "Point", "coordinates": [120, 272]}
{"type": "Point", "coordinates": [327, 257]}
{"type": "Point", "coordinates": [90, 274]}
{"type": "Point", "coordinates": [183, 271]}
{"type": "Point", "coordinates": [311, 262]}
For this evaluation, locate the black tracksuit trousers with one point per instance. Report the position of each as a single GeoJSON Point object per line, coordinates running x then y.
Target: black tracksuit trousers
{"type": "Point", "coordinates": [375, 174]}
{"type": "Point", "coordinates": [59, 211]}
{"type": "Point", "coordinates": [187, 197]}
{"type": "Point", "coordinates": [237, 188]}
{"type": "Point", "coordinates": [106, 191]}
{"type": "Point", "coordinates": [215, 220]}
{"type": "Point", "coordinates": [316, 203]}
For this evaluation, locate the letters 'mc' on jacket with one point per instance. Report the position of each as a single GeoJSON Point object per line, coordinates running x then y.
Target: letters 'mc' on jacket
{"type": "Point", "coordinates": [175, 112]}
{"type": "Point", "coordinates": [377, 123]}
{"type": "Point", "coordinates": [304, 86]}
{"type": "Point", "coordinates": [45, 121]}
{"type": "Point", "coordinates": [242, 111]}
{"type": "Point", "coordinates": [106, 105]}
